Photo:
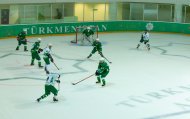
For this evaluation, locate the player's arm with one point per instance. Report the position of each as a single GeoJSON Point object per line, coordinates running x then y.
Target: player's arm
{"type": "Point", "coordinates": [84, 32]}
{"type": "Point", "coordinates": [51, 58]}
{"type": "Point", "coordinates": [40, 50]}
{"type": "Point", "coordinates": [92, 32]}
{"type": "Point", "coordinates": [58, 76]}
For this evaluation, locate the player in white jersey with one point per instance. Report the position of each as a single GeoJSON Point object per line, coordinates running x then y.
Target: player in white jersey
{"type": "Point", "coordinates": [47, 57]}
{"type": "Point", "coordinates": [49, 86]}
{"type": "Point", "coordinates": [145, 39]}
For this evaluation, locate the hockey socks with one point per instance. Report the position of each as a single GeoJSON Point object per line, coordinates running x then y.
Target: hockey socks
{"type": "Point", "coordinates": [32, 62]}
{"type": "Point", "coordinates": [39, 64]}
{"type": "Point", "coordinates": [42, 97]}
{"type": "Point", "coordinates": [103, 82]}
{"type": "Point", "coordinates": [138, 46]}
{"type": "Point", "coordinates": [99, 81]}
{"type": "Point", "coordinates": [148, 46]}
{"type": "Point", "coordinates": [17, 48]}
{"type": "Point", "coordinates": [89, 55]}
{"type": "Point", "coordinates": [25, 48]}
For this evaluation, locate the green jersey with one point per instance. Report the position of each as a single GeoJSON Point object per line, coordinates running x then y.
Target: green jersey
{"type": "Point", "coordinates": [97, 45]}
{"type": "Point", "coordinates": [103, 68]}
{"type": "Point", "coordinates": [35, 46]}
{"type": "Point", "coordinates": [88, 32]}
{"type": "Point", "coordinates": [21, 35]}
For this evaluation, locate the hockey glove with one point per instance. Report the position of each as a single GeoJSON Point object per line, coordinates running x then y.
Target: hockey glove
{"type": "Point", "coordinates": [25, 40]}
{"type": "Point", "coordinates": [17, 38]}
{"type": "Point", "coordinates": [97, 73]}
{"type": "Point", "coordinates": [40, 50]}
{"type": "Point", "coordinates": [51, 60]}
{"type": "Point", "coordinates": [58, 81]}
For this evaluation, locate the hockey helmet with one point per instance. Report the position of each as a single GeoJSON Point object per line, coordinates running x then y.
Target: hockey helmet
{"type": "Point", "coordinates": [50, 44]}
{"type": "Point", "coordinates": [39, 39]}
{"type": "Point", "coordinates": [101, 60]}
{"type": "Point", "coordinates": [97, 39]}
{"type": "Point", "coordinates": [88, 28]}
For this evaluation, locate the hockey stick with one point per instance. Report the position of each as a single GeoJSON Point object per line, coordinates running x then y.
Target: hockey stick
{"type": "Point", "coordinates": [58, 87]}
{"type": "Point", "coordinates": [85, 37]}
{"type": "Point", "coordinates": [107, 59]}
{"type": "Point", "coordinates": [30, 41]}
{"type": "Point", "coordinates": [55, 65]}
{"type": "Point", "coordinates": [104, 57]}
{"type": "Point", "coordinates": [83, 79]}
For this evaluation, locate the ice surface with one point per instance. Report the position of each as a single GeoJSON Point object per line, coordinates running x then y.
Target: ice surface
{"type": "Point", "coordinates": [141, 84]}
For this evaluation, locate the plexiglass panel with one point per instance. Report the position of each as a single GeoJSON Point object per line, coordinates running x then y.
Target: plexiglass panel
{"type": "Point", "coordinates": [136, 11]}
{"type": "Point", "coordinates": [44, 12]}
{"type": "Point", "coordinates": [150, 12]}
{"type": "Point", "coordinates": [165, 13]}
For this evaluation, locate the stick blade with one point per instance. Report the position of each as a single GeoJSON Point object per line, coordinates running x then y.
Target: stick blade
{"type": "Point", "coordinates": [73, 83]}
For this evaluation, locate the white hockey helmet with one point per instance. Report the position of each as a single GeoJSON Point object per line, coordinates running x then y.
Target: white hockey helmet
{"type": "Point", "coordinates": [101, 59]}
{"type": "Point", "coordinates": [88, 28]}
{"type": "Point", "coordinates": [97, 39]}
{"type": "Point", "coordinates": [25, 30]}
{"type": "Point", "coordinates": [50, 44]}
{"type": "Point", "coordinates": [39, 39]}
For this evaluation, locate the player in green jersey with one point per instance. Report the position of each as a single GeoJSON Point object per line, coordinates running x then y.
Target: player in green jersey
{"type": "Point", "coordinates": [97, 47]}
{"type": "Point", "coordinates": [35, 53]}
{"type": "Point", "coordinates": [102, 71]}
{"type": "Point", "coordinates": [21, 38]}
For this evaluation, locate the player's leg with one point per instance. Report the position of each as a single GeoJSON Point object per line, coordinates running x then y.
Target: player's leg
{"type": "Point", "coordinates": [19, 43]}
{"type": "Point", "coordinates": [25, 45]}
{"type": "Point", "coordinates": [100, 52]}
{"type": "Point", "coordinates": [39, 60]}
{"type": "Point", "coordinates": [55, 92]}
{"type": "Point", "coordinates": [103, 82]}
{"type": "Point", "coordinates": [98, 79]}
{"type": "Point", "coordinates": [47, 68]}
{"type": "Point", "coordinates": [33, 57]}
{"type": "Point", "coordinates": [47, 92]}
{"type": "Point", "coordinates": [147, 44]}
{"type": "Point", "coordinates": [103, 75]}
{"type": "Point", "coordinates": [141, 41]}
{"type": "Point", "coordinates": [47, 64]}
{"type": "Point", "coordinates": [93, 51]}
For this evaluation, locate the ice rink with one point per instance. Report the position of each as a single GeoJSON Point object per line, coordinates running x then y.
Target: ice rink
{"type": "Point", "coordinates": [141, 84]}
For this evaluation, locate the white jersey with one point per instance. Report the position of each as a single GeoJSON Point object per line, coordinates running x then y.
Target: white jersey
{"type": "Point", "coordinates": [145, 36]}
{"type": "Point", "coordinates": [51, 79]}
{"type": "Point", "coordinates": [46, 52]}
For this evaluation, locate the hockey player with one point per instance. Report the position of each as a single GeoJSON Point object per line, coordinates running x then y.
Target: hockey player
{"type": "Point", "coordinates": [47, 57]}
{"type": "Point", "coordinates": [49, 86]}
{"type": "Point", "coordinates": [97, 47]}
{"type": "Point", "coordinates": [102, 71]}
{"type": "Point", "coordinates": [87, 33]}
{"type": "Point", "coordinates": [21, 38]}
{"type": "Point", "coordinates": [35, 53]}
{"type": "Point", "coordinates": [145, 39]}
